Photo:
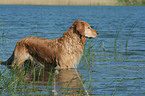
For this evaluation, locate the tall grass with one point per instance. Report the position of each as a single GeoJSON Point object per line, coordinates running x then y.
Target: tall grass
{"type": "Point", "coordinates": [130, 32]}
{"type": "Point", "coordinates": [118, 30]}
{"type": "Point", "coordinates": [17, 83]}
{"type": "Point", "coordinates": [3, 32]}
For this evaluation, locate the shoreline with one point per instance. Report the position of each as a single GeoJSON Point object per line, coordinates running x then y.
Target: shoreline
{"type": "Point", "coordinates": [73, 2]}
{"type": "Point", "coordinates": [58, 2]}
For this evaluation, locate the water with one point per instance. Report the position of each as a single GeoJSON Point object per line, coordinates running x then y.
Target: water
{"type": "Point", "coordinates": [119, 70]}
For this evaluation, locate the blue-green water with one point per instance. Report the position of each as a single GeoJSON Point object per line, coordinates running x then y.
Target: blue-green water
{"type": "Point", "coordinates": [118, 70]}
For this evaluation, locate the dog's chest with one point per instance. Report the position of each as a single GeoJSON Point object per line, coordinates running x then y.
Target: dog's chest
{"type": "Point", "coordinates": [72, 53]}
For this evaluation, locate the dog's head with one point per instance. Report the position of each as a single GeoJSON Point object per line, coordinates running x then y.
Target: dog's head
{"type": "Point", "coordinates": [84, 29]}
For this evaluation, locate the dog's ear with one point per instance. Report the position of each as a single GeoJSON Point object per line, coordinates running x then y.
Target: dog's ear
{"type": "Point", "coordinates": [80, 28]}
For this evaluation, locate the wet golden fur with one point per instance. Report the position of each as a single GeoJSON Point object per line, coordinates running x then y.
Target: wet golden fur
{"type": "Point", "coordinates": [63, 52]}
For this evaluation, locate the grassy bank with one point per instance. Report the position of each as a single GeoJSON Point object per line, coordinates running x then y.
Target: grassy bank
{"type": "Point", "coordinates": [72, 2]}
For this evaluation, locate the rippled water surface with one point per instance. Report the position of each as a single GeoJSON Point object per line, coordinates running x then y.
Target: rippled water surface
{"type": "Point", "coordinates": [119, 70]}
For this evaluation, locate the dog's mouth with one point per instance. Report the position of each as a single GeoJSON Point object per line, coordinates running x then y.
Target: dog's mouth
{"type": "Point", "coordinates": [91, 37]}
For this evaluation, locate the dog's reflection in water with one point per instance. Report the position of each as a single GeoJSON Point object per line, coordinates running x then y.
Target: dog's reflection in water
{"type": "Point", "coordinates": [60, 82]}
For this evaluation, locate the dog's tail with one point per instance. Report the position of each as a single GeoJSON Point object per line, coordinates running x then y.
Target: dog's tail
{"type": "Point", "coordinates": [9, 61]}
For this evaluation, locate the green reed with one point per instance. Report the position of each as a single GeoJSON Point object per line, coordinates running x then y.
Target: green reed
{"type": "Point", "coordinates": [118, 30]}
{"type": "Point", "coordinates": [130, 32]}
{"type": "Point", "coordinates": [2, 24]}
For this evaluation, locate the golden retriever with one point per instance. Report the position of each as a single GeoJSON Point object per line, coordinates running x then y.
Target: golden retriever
{"type": "Point", "coordinates": [63, 52]}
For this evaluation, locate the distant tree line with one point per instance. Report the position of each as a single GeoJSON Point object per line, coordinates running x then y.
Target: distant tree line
{"type": "Point", "coordinates": [132, 2]}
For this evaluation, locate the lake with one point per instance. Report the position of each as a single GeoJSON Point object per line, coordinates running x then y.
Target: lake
{"type": "Point", "coordinates": [118, 70]}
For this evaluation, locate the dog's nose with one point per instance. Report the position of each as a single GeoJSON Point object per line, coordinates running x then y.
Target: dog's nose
{"type": "Point", "coordinates": [97, 32]}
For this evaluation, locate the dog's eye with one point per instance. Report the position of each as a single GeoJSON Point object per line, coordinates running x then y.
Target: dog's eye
{"type": "Point", "coordinates": [88, 27]}
{"type": "Point", "coordinates": [92, 26]}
